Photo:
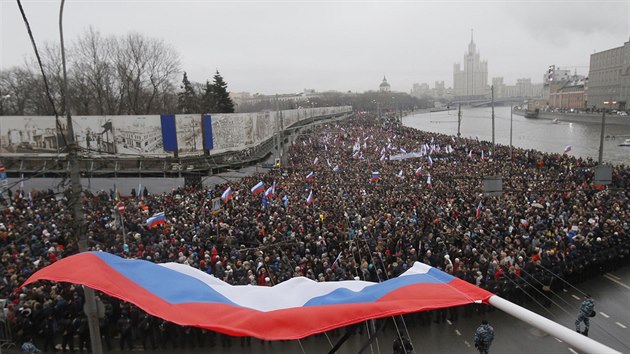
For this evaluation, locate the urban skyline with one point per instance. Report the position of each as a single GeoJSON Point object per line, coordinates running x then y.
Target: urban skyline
{"type": "Point", "coordinates": [276, 47]}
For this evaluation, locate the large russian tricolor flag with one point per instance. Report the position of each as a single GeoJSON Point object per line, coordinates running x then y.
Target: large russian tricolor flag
{"type": "Point", "coordinates": [296, 308]}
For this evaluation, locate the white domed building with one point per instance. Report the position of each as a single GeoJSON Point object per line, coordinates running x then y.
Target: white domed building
{"type": "Point", "coordinates": [384, 86]}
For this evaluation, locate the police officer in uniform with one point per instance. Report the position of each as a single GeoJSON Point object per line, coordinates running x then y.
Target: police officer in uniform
{"type": "Point", "coordinates": [586, 311]}
{"type": "Point", "coordinates": [484, 337]}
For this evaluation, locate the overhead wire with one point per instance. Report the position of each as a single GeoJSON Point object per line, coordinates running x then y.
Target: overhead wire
{"type": "Point", "coordinates": [41, 67]}
{"type": "Point", "coordinates": [545, 296]}
{"type": "Point", "coordinates": [393, 317]}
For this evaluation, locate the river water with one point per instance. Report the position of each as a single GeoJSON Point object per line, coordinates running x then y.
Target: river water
{"type": "Point", "coordinates": [536, 134]}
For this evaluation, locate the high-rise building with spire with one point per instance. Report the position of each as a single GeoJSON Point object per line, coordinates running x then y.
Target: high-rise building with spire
{"type": "Point", "coordinates": [473, 80]}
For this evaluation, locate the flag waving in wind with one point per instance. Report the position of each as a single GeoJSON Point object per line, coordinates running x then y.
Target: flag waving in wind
{"type": "Point", "coordinates": [295, 308]}
{"type": "Point", "coordinates": [258, 188]}
{"type": "Point", "coordinates": [156, 219]}
{"type": "Point", "coordinates": [567, 149]}
{"type": "Point", "coordinates": [309, 199]}
{"type": "Point", "coordinates": [479, 209]}
{"type": "Point", "coordinates": [375, 176]}
{"type": "Point", "coordinates": [310, 176]}
{"type": "Point", "coordinates": [227, 195]}
{"type": "Point", "coordinates": [268, 192]}
{"type": "Point", "coordinates": [419, 171]}
{"type": "Point", "coordinates": [334, 264]}
{"type": "Point", "coordinates": [315, 161]}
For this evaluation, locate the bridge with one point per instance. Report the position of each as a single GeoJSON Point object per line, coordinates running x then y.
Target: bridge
{"type": "Point", "coordinates": [190, 165]}
{"type": "Point", "coordinates": [487, 102]}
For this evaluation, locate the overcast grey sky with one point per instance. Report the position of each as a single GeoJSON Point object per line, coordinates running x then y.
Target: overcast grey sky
{"type": "Point", "coordinates": [286, 46]}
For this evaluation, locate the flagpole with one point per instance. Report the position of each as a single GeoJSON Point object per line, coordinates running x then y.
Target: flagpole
{"type": "Point", "coordinates": [581, 342]}
{"type": "Point", "coordinates": [122, 225]}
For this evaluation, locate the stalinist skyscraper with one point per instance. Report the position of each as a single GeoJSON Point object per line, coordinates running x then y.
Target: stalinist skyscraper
{"type": "Point", "coordinates": [473, 80]}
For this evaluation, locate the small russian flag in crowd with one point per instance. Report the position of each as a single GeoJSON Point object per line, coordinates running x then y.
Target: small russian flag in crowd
{"type": "Point", "coordinates": [310, 176]}
{"type": "Point", "coordinates": [315, 161]}
{"type": "Point", "coordinates": [259, 188]}
{"type": "Point", "coordinates": [156, 219]}
{"type": "Point", "coordinates": [567, 149]}
{"type": "Point", "coordinates": [269, 192]}
{"type": "Point", "coordinates": [479, 208]}
{"type": "Point", "coordinates": [227, 194]}
{"type": "Point", "coordinates": [265, 202]}
{"type": "Point", "coordinates": [309, 199]}
{"type": "Point", "coordinates": [419, 171]}
{"type": "Point", "coordinates": [375, 176]}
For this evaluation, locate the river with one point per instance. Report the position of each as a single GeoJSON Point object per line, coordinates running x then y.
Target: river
{"type": "Point", "coordinates": [541, 135]}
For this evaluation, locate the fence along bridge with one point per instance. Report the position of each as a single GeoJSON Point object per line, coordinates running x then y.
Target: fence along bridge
{"type": "Point", "coordinates": [191, 165]}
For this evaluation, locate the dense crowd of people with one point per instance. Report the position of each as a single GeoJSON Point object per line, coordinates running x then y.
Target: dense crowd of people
{"type": "Point", "coordinates": [380, 197]}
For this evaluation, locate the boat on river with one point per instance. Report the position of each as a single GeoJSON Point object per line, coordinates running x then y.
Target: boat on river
{"type": "Point", "coordinates": [532, 114]}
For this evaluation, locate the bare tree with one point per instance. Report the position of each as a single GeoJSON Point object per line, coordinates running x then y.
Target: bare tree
{"type": "Point", "coordinates": [95, 80]}
{"type": "Point", "coordinates": [146, 69]}
{"type": "Point", "coordinates": [51, 59]}
{"type": "Point", "coordinates": [107, 75]}
{"type": "Point", "coordinates": [16, 86]}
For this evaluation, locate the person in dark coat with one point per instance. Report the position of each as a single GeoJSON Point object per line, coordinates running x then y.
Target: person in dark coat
{"type": "Point", "coordinates": [67, 333]}
{"type": "Point", "coordinates": [125, 331]}
{"type": "Point", "coordinates": [147, 335]}
{"type": "Point", "coordinates": [402, 345]}
{"type": "Point", "coordinates": [484, 337]}
{"type": "Point", "coordinates": [83, 330]}
{"type": "Point", "coordinates": [586, 311]}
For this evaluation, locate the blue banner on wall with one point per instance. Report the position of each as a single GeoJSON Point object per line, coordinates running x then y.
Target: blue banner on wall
{"type": "Point", "coordinates": [169, 132]}
{"type": "Point", "coordinates": [206, 124]}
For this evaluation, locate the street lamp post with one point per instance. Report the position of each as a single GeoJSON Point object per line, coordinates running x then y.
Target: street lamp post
{"type": "Point", "coordinates": [601, 137]}
{"type": "Point", "coordinates": [492, 92]}
{"type": "Point", "coordinates": [2, 99]}
{"type": "Point", "coordinates": [90, 306]}
{"type": "Point", "coordinates": [459, 120]}
{"type": "Point", "coordinates": [511, 111]}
